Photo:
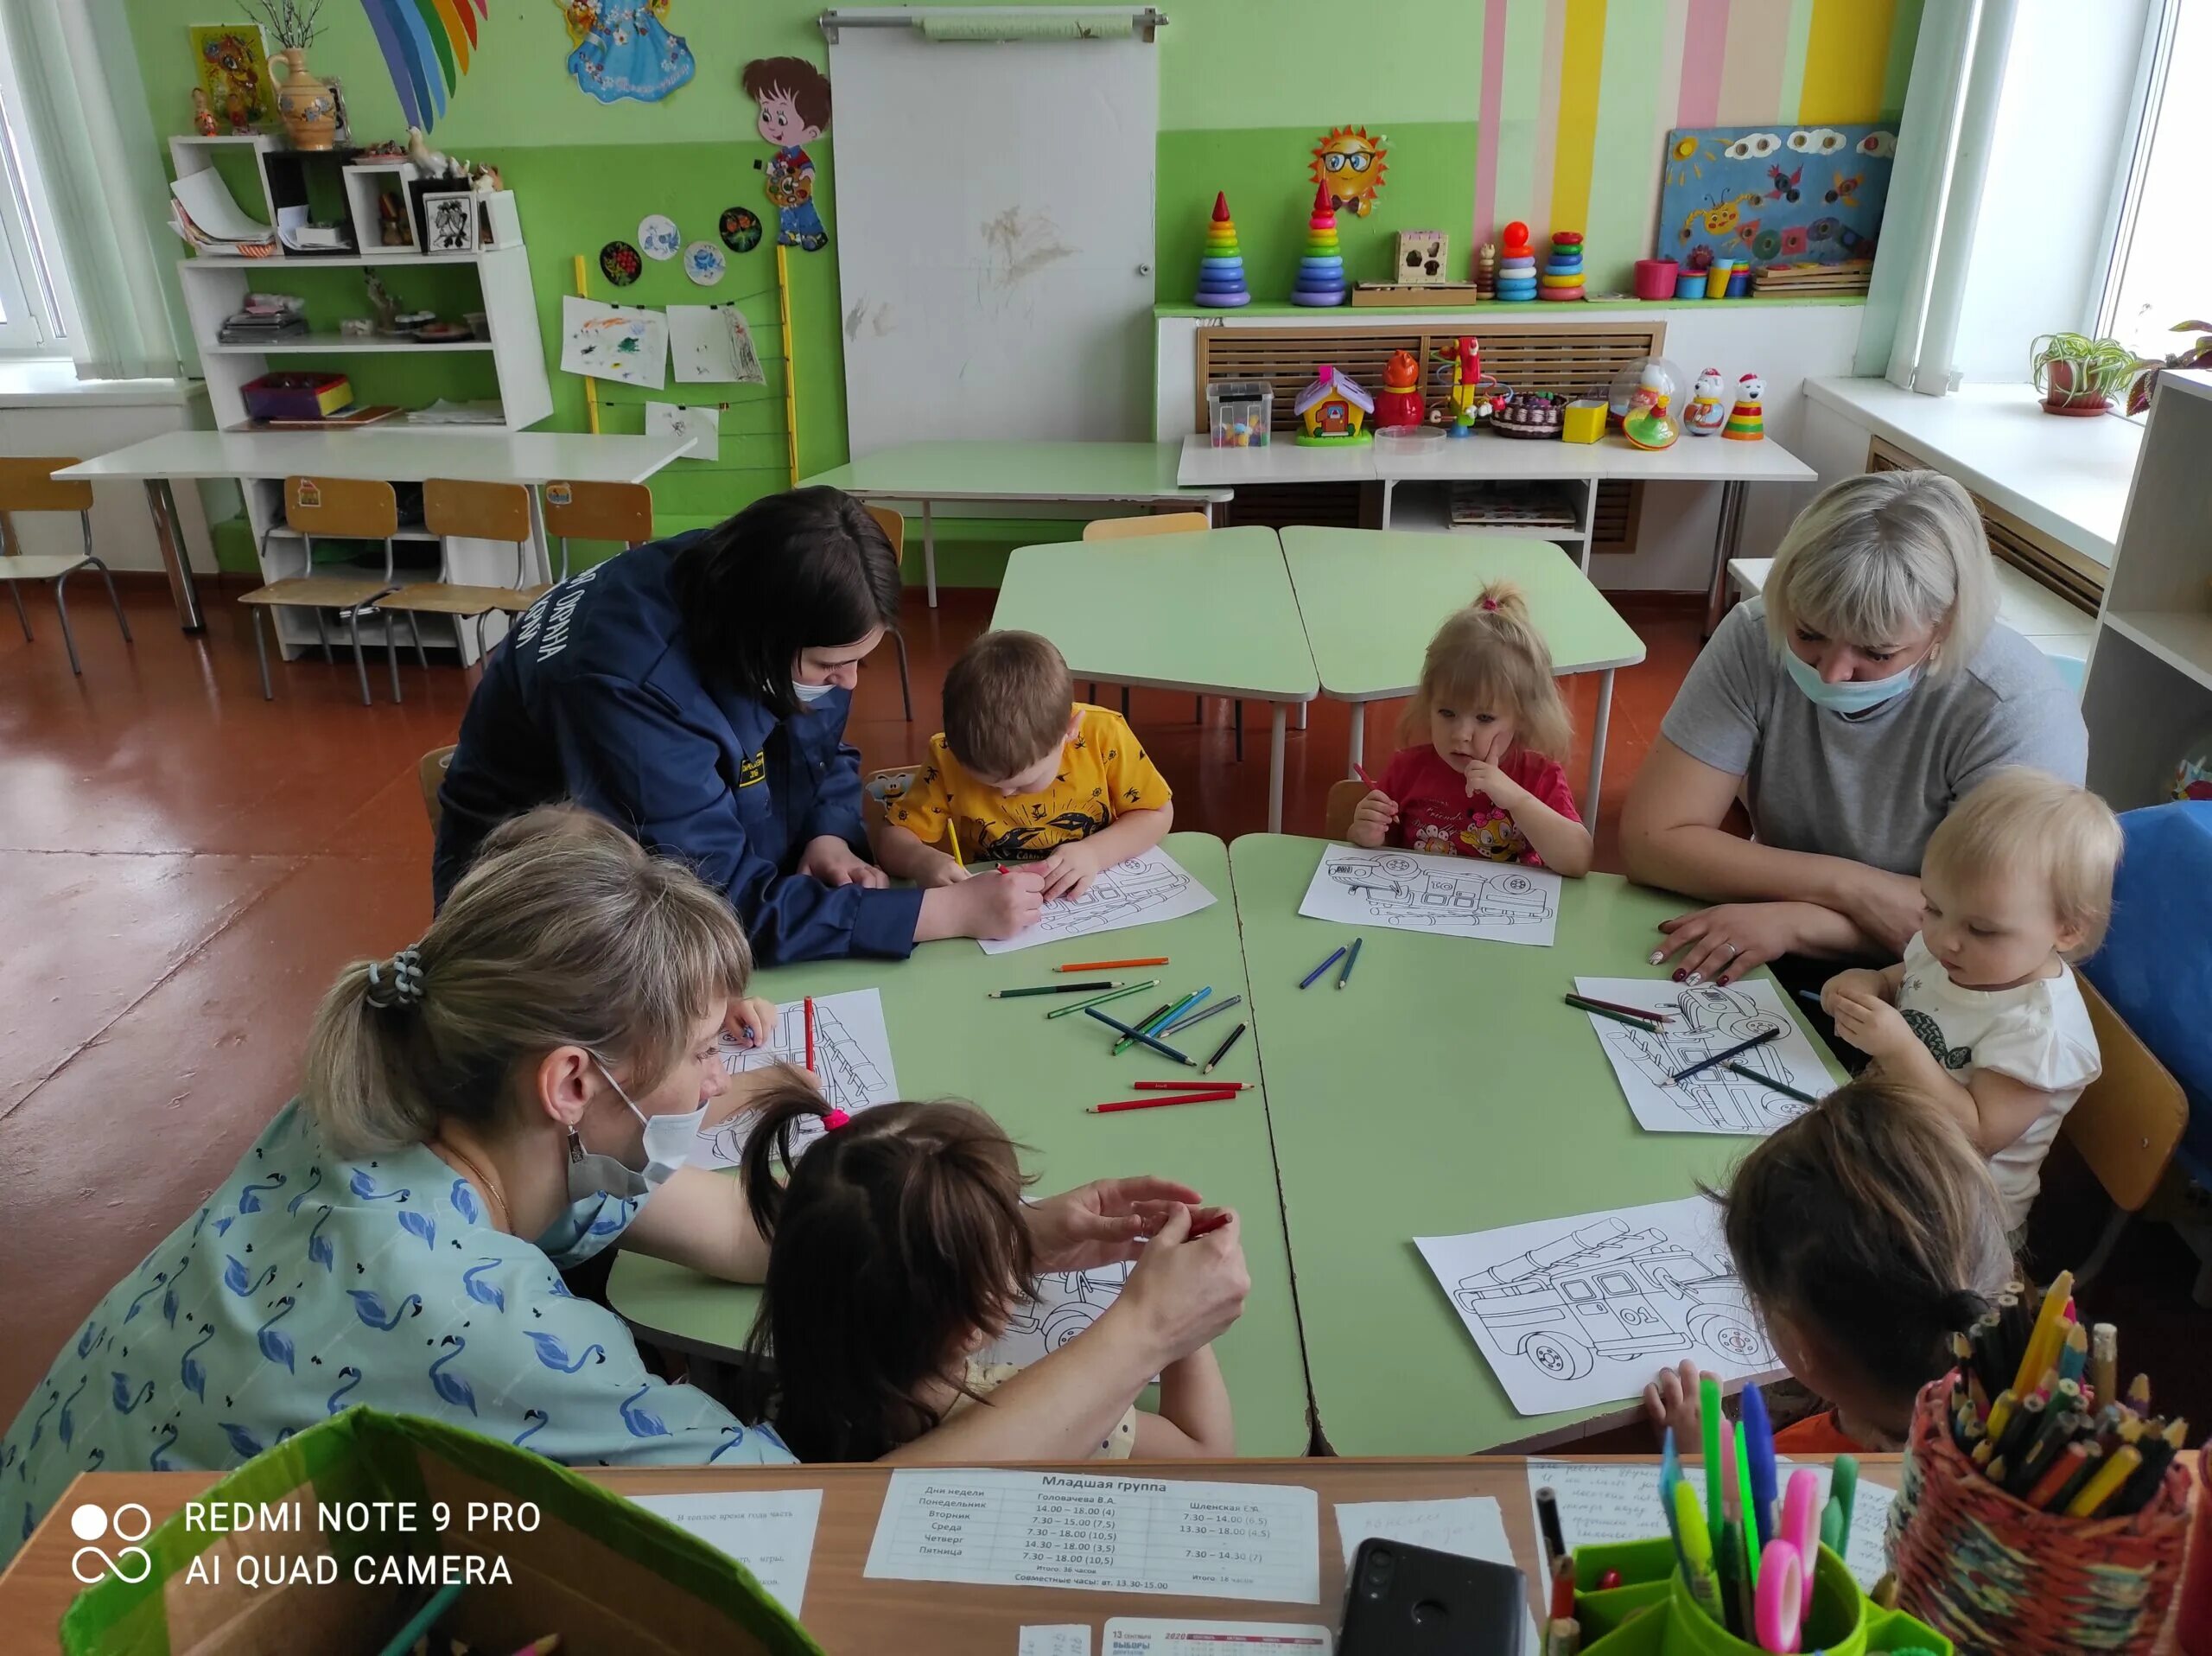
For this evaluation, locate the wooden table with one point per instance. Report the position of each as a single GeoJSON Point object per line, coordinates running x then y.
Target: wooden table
{"type": "Point", "coordinates": [845, 1610]}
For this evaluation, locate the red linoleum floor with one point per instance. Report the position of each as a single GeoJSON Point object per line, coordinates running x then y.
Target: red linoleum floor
{"type": "Point", "coordinates": [183, 866]}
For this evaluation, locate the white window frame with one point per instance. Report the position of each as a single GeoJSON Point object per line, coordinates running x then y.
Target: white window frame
{"type": "Point", "coordinates": [2153, 80]}
{"type": "Point", "coordinates": [40, 315]}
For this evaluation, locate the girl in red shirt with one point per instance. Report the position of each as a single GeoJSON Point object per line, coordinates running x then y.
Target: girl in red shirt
{"type": "Point", "coordinates": [1488, 729]}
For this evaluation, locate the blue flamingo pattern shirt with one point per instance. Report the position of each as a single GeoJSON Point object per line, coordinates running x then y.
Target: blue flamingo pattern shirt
{"type": "Point", "coordinates": [309, 1283]}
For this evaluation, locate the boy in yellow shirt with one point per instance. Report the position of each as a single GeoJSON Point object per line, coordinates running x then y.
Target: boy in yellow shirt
{"type": "Point", "coordinates": [1024, 772]}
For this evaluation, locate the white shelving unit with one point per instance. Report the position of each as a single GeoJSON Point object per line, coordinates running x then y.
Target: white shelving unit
{"type": "Point", "coordinates": [2148, 695]}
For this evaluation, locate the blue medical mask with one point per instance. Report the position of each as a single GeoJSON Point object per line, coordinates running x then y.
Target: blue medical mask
{"type": "Point", "coordinates": [810, 694]}
{"type": "Point", "coordinates": [1853, 695]}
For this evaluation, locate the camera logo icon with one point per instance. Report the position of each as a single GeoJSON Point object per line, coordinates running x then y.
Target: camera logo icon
{"type": "Point", "coordinates": [90, 1523]}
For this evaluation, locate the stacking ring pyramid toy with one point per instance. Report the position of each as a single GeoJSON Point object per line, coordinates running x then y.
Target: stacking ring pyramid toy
{"type": "Point", "coordinates": [1321, 271]}
{"type": "Point", "coordinates": [1220, 271]}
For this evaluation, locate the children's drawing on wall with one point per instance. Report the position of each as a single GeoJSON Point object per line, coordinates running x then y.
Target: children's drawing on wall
{"type": "Point", "coordinates": [711, 344]}
{"type": "Point", "coordinates": [426, 50]}
{"type": "Point", "coordinates": [233, 72]}
{"type": "Point", "coordinates": [794, 99]}
{"type": "Point", "coordinates": [624, 342]}
{"type": "Point", "coordinates": [624, 49]}
{"type": "Point", "coordinates": [1775, 196]}
{"type": "Point", "coordinates": [852, 1064]}
{"type": "Point", "coordinates": [1150, 887]}
{"type": "Point", "coordinates": [1060, 1305]}
{"type": "Point", "coordinates": [1451, 896]}
{"type": "Point", "coordinates": [1349, 165]}
{"type": "Point", "coordinates": [1572, 1312]}
{"type": "Point", "coordinates": [1699, 1023]}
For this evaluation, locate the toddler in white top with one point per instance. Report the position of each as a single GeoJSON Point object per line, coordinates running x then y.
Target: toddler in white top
{"type": "Point", "coordinates": [1984, 1014]}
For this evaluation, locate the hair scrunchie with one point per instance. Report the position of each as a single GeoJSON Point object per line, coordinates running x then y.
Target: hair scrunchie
{"type": "Point", "coordinates": [397, 982]}
{"type": "Point", "coordinates": [833, 1118]}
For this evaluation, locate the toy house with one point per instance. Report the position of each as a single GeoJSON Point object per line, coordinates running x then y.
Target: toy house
{"type": "Point", "coordinates": [1333, 409]}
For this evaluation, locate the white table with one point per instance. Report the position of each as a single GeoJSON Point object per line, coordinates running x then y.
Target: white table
{"type": "Point", "coordinates": [397, 453]}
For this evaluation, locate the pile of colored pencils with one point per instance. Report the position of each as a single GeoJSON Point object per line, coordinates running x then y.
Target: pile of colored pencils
{"type": "Point", "coordinates": [2036, 1405]}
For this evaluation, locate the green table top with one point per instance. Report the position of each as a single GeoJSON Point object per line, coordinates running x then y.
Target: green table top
{"type": "Point", "coordinates": [1372, 599]}
{"type": "Point", "coordinates": [1447, 1089]}
{"type": "Point", "coordinates": [1210, 612]}
{"type": "Point", "coordinates": [1019, 471]}
{"type": "Point", "coordinates": [1035, 1075]}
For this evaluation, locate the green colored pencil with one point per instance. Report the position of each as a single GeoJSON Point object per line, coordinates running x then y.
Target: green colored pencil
{"type": "Point", "coordinates": [1166, 1014]}
{"type": "Point", "coordinates": [1771, 1085]}
{"type": "Point", "coordinates": [1133, 989]}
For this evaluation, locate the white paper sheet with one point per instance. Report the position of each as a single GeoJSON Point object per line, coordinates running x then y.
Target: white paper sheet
{"type": "Point", "coordinates": [852, 1063]}
{"type": "Point", "coordinates": [1450, 896]}
{"type": "Point", "coordinates": [1148, 887]}
{"type": "Point", "coordinates": [1601, 1503]}
{"type": "Point", "coordinates": [1127, 1635]}
{"type": "Point", "coordinates": [1061, 1638]}
{"type": "Point", "coordinates": [626, 343]}
{"type": "Point", "coordinates": [771, 1533]}
{"type": "Point", "coordinates": [216, 211]}
{"type": "Point", "coordinates": [1706, 1020]}
{"type": "Point", "coordinates": [702, 425]}
{"type": "Point", "coordinates": [1585, 1309]}
{"type": "Point", "coordinates": [711, 344]}
{"type": "Point", "coordinates": [1109, 1534]}
{"type": "Point", "coordinates": [1065, 1302]}
{"type": "Point", "coordinates": [1472, 1526]}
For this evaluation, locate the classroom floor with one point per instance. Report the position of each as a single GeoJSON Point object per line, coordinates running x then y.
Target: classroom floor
{"type": "Point", "coordinates": [183, 865]}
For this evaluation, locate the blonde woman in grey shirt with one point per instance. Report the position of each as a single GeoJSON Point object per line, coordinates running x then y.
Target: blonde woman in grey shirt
{"type": "Point", "coordinates": [1868, 690]}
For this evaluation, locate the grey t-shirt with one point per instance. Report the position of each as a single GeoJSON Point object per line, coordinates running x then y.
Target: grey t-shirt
{"type": "Point", "coordinates": [1870, 788]}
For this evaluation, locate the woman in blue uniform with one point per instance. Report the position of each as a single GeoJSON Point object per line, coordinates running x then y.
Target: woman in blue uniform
{"type": "Point", "coordinates": [695, 692]}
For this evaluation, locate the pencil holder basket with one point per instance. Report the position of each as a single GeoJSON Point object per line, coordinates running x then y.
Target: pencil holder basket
{"type": "Point", "coordinates": [1995, 1574]}
{"type": "Point", "coordinates": [1652, 1613]}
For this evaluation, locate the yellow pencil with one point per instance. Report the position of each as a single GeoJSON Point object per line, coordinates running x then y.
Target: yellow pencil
{"type": "Point", "coordinates": [2048, 1336]}
{"type": "Point", "coordinates": [953, 833]}
{"type": "Point", "coordinates": [2099, 1490]}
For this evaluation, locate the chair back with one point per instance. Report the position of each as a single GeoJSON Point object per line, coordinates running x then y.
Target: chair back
{"type": "Point", "coordinates": [431, 773]}
{"type": "Point", "coordinates": [621, 512]}
{"type": "Point", "coordinates": [2128, 1121]}
{"type": "Point", "coordinates": [478, 511]}
{"type": "Point", "coordinates": [28, 484]}
{"type": "Point", "coordinates": [1344, 799]}
{"type": "Point", "coordinates": [1165, 523]}
{"type": "Point", "coordinates": [893, 524]}
{"type": "Point", "coordinates": [359, 508]}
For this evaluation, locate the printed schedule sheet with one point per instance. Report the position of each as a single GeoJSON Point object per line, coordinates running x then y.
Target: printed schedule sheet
{"type": "Point", "coordinates": [1109, 1534]}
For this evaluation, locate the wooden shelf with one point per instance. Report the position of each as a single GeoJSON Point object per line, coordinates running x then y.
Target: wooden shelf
{"type": "Point", "coordinates": [323, 344]}
{"type": "Point", "coordinates": [2183, 641]}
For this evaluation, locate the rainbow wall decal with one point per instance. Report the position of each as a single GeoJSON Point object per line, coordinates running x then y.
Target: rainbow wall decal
{"type": "Point", "coordinates": [426, 46]}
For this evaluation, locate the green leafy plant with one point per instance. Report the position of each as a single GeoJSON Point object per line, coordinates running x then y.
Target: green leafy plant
{"type": "Point", "coordinates": [2196, 355]}
{"type": "Point", "coordinates": [2074, 369]}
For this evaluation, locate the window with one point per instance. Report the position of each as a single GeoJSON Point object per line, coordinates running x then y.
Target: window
{"type": "Point", "coordinates": [2161, 269]}
{"type": "Point", "coordinates": [34, 291]}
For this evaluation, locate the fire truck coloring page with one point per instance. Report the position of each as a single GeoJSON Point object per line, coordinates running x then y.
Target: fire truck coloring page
{"type": "Point", "coordinates": [1061, 1305]}
{"type": "Point", "coordinates": [852, 1065]}
{"type": "Point", "coordinates": [1573, 1312]}
{"type": "Point", "coordinates": [1447, 896]}
{"type": "Point", "coordinates": [1703, 1021]}
{"type": "Point", "coordinates": [1151, 886]}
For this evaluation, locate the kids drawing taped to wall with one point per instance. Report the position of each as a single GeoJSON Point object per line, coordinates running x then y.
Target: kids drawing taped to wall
{"type": "Point", "coordinates": [622, 49]}
{"type": "Point", "coordinates": [794, 99]}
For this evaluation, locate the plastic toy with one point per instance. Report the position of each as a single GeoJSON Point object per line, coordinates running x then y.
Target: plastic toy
{"type": "Point", "coordinates": [1486, 272]}
{"type": "Point", "coordinates": [1626, 382]}
{"type": "Point", "coordinates": [1706, 414]}
{"type": "Point", "coordinates": [1321, 271]}
{"type": "Point", "coordinates": [1585, 420]}
{"type": "Point", "coordinates": [1531, 414]}
{"type": "Point", "coordinates": [1562, 276]}
{"type": "Point", "coordinates": [203, 118]}
{"type": "Point", "coordinates": [1332, 411]}
{"type": "Point", "coordinates": [1747, 420]}
{"type": "Point", "coordinates": [1221, 271]}
{"type": "Point", "coordinates": [1239, 412]}
{"type": "Point", "coordinates": [1423, 257]}
{"type": "Point", "coordinates": [1399, 404]}
{"type": "Point", "coordinates": [1516, 266]}
{"type": "Point", "coordinates": [1348, 166]}
{"type": "Point", "coordinates": [1649, 422]}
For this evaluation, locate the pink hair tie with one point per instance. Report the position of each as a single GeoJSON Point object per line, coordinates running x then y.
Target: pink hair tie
{"type": "Point", "coordinates": [834, 1120]}
{"type": "Point", "coordinates": [1490, 603]}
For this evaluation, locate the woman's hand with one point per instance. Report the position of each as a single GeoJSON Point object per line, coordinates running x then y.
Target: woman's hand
{"type": "Point", "coordinates": [1102, 1223]}
{"type": "Point", "coordinates": [749, 1021]}
{"type": "Point", "coordinates": [1070, 870]}
{"type": "Point", "coordinates": [1723, 943]}
{"type": "Point", "coordinates": [830, 860]}
{"type": "Point", "coordinates": [1371, 818]}
{"type": "Point", "coordinates": [1888, 907]}
{"type": "Point", "coordinates": [999, 904]}
{"type": "Point", "coordinates": [1672, 1401]}
{"type": "Point", "coordinates": [1186, 1290]}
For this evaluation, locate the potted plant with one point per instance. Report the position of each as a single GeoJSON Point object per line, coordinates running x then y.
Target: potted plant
{"type": "Point", "coordinates": [2198, 355]}
{"type": "Point", "coordinates": [305, 100]}
{"type": "Point", "coordinates": [2079, 375]}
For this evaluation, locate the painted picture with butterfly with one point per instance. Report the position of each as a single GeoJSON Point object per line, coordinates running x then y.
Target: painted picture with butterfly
{"type": "Point", "coordinates": [1773, 195]}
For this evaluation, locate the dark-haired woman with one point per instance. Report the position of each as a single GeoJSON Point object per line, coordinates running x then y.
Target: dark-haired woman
{"type": "Point", "coordinates": [695, 692]}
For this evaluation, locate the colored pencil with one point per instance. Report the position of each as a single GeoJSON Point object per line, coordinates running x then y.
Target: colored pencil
{"type": "Point", "coordinates": [1634, 1019]}
{"type": "Point", "coordinates": [1563, 1587]}
{"type": "Point", "coordinates": [1708, 1401]}
{"type": "Point", "coordinates": [1187, 1086]}
{"type": "Point", "coordinates": [1548, 1519]}
{"type": "Point", "coordinates": [1210, 1095]}
{"type": "Point", "coordinates": [1360, 771]}
{"type": "Point", "coordinates": [2104, 1360]}
{"type": "Point", "coordinates": [1111, 965]}
{"type": "Point", "coordinates": [953, 833]}
{"type": "Point", "coordinates": [1175, 1026]}
{"type": "Point", "coordinates": [1160, 1047]}
{"type": "Point", "coordinates": [2050, 1333]}
{"type": "Point", "coordinates": [1144, 1023]}
{"type": "Point", "coordinates": [1352, 960]}
{"type": "Point", "coordinates": [2105, 1482]}
{"type": "Point", "coordinates": [1770, 1084]}
{"type": "Point", "coordinates": [422, 1620]}
{"type": "Point", "coordinates": [2073, 1459]}
{"type": "Point", "coordinates": [1050, 989]}
{"type": "Point", "coordinates": [1306, 982]}
{"type": "Point", "coordinates": [1221, 1051]}
{"type": "Point", "coordinates": [1758, 1441]}
{"type": "Point", "coordinates": [1159, 1020]}
{"type": "Point", "coordinates": [1133, 989]}
{"type": "Point", "coordinates": [1737, 1050]}
{"type": "Point", "coordinates": [1591, 1003]}
{"type": "Point", "coordinates": [810, 1034]}
{"type": "Point", "coordinates": [1747, 1504]}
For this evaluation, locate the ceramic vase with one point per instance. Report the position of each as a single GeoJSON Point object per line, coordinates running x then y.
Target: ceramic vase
{"type": "Point", "coordinates": [304, 100]}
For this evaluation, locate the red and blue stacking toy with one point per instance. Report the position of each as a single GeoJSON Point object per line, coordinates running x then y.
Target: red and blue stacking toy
{"type": "Point", "coordinates": [1321, 271]}
{"type": "Point", "coordinates": [1516, 266]}
{"type": "Point", "coordinates": [1221, 271]}
{"type": "Point", "coordinates": [1562, 274]}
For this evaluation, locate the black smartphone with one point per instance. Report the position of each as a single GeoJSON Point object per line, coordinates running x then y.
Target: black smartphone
{"type": "Point", "coordinates": [1410, 1601]}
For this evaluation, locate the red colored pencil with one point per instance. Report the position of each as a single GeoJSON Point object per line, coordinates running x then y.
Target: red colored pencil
{"type": "Point", "coordinates": [1360, 771]}
{"type": "Point", "coordinates": [1158, 1101]}
{"type": "Point", "coordinates": [1185, 1086]}
{"type": "Point", "coordinates": [810, 1034]}
{"type": "Point", "coordinates": [1111, 965]}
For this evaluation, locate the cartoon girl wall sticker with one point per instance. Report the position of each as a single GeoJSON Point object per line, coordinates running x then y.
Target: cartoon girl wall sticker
{"type": "Point", "coordinates": [622, 49]}
{"type": "Point", "coordinates": [794, 99]}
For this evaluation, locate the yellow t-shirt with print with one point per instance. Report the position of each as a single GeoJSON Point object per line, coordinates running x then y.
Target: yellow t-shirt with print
{"type": "Point", "coordinates": [1104, 773]}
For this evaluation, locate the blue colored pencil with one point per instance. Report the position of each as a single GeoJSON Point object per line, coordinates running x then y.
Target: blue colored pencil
{"type": "Point", "coordinates": [1306, 982]}
{"type": "Point", "coordinates": [1158, 1022]}
{"type": "Point", "coordinates": [1351, 960]}
{"type": "Point", "coordinates": [1758, 1441]}
{"type": "Point", "coordinates": [1139, 1035]}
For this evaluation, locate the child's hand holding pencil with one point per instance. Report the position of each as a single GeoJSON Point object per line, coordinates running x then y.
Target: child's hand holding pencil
{"type": "Point", "coordinates": [1371, 818]}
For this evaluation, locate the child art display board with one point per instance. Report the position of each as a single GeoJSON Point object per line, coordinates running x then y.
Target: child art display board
{"type": "Point", "coordinates": [852, 1065]}
{"type": "Point", "coordinates": [1703, 1021]}
{"type": "Point", "coordinates": [1775, 195]}
{"type": "Point", "coordinates": [624, 342]}
{"type": "Point", "coordinates": [1452, 896]}
{"type": "Point", "coordinates": [1573, 1312]}
{"type": "Point", "coordinates": [1150, 887]}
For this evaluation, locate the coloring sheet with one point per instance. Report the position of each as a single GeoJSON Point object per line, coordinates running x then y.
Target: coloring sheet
{"type": "Point", "coordinates": [1130, 1635]}
{"type": "Point", "coordinates": [770, 1533]}
{"type": "Point", "coordinates": [852, 1061]}
{"type": "Point", "coordinates": [1145, 889]}
{"type": "Point", "coordinates": [711, 344]}
{"type": "Point", "coordinates": [702, 425]}
{"type": "Point", "coordinates": [1703, 1021]}
{"type": "Point", "coordinates": [1471, 1527]}
{"type": "Point", "coordinates": [622, 342]}
{"type": "Point", "coordinates": [1061, 1305]}
{"type": "Point", "coordinates": [1452, 896]}
{"type": "Point", "coordinates": [1059, 1638]}
{"type": "Point", "coordinates": [1583, 1310]}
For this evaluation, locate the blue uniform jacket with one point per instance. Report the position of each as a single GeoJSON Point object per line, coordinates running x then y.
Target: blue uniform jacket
{"type": "Point", "coordinates": [595, 698]}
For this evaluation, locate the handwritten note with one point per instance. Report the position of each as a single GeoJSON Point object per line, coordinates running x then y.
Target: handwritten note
{"type": "Point", "coordinates": [771, 1533]}
{"type": "Point", "coordinates": [1067, 1639]}
{"type": "Point", "coordinates": [1473, 1527]}
{"type": "Point", "coordinates": [1132, 1636]}
{"type": "Point", "coordinates": [1121, 1535]}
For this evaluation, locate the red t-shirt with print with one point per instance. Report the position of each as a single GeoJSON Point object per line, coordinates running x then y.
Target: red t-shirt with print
{"type": "Point", "coordinates": [1437, 814]}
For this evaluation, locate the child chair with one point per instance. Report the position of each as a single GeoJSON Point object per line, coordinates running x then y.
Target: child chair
{"type": "Point", "coordinates": [29, 485]}
{"type": "Point", "coordinates": [2126, 1125]}
{"type": "Point", "coordinates": [356, 508]}
{"type": "Point", "coordinates": [1165, 523]}
{"type": "Point", "coordinates": [430, 772]}
{"type": "Point", "coordinates": [893, 524]}
{"type": "Point", "coordinates": [476, 512]}
{"type": "Point", "coordinates": [621, 512]}
{"type": "Point", "coordinates": [1344, 799]}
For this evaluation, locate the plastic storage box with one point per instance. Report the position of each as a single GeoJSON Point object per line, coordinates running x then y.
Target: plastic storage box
{"type": "Point", "coordinates": [1239, 412]}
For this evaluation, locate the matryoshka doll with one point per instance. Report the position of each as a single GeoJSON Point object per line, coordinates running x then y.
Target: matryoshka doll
{"type": "Point", "coordinates": [1707, 411]}
{"type": "Point", "coordinates": [1747, 420]}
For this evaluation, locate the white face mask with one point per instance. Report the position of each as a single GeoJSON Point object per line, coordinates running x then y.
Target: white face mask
{"type": "Point", "coordinates": [604, 1191]}
{"type": "Point", "coordinates": [810, 694]}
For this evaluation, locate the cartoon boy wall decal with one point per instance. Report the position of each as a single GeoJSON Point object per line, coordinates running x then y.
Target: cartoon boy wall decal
{"type": "Point", "coordinates": [794, 99]}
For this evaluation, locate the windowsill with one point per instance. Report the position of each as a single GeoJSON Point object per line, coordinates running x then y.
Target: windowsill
{"type": "Point", "coordinates": [51, 382]}
{"type": "Point", "coordinates": [2069, 478]}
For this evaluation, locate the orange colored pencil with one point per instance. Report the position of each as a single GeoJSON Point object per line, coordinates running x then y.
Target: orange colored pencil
{"type": "Point", "coordinates": [1111, 965]}
{"type": "Point", "coordinates": [1191, 1086]}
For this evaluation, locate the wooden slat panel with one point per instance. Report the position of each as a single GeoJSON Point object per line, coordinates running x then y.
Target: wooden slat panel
{"type": "Point", "coordinates": [1278, 506]}
{"type": "Point", "coordinates": [2079, 580]}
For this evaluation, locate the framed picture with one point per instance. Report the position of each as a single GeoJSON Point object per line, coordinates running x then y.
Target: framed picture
{"type": "Point", "coordinates": [449, 221]}
{"type": "Point", "coordinates": [233, 71]}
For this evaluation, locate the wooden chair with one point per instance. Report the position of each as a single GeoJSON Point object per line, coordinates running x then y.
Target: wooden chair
{"type": "Point", "coordinates": [430, 772]}
{"type": "Point", "coordinates": [1344, 799]}
{"type": "Point", "coordinates": [893, 524]}
{"type": "Point", "coordinates": [474, 512]}
{"type": "Point", "coordinates": [354, 508]}
{"type": "Point", "coordinates": [29, 484]}
{"type": "Point", "coordinates": [2127, 1125]}
{"type": "Point", "coordinates": [1164, 523]}
{"type": "Point", "coordinates": [621, 512]}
